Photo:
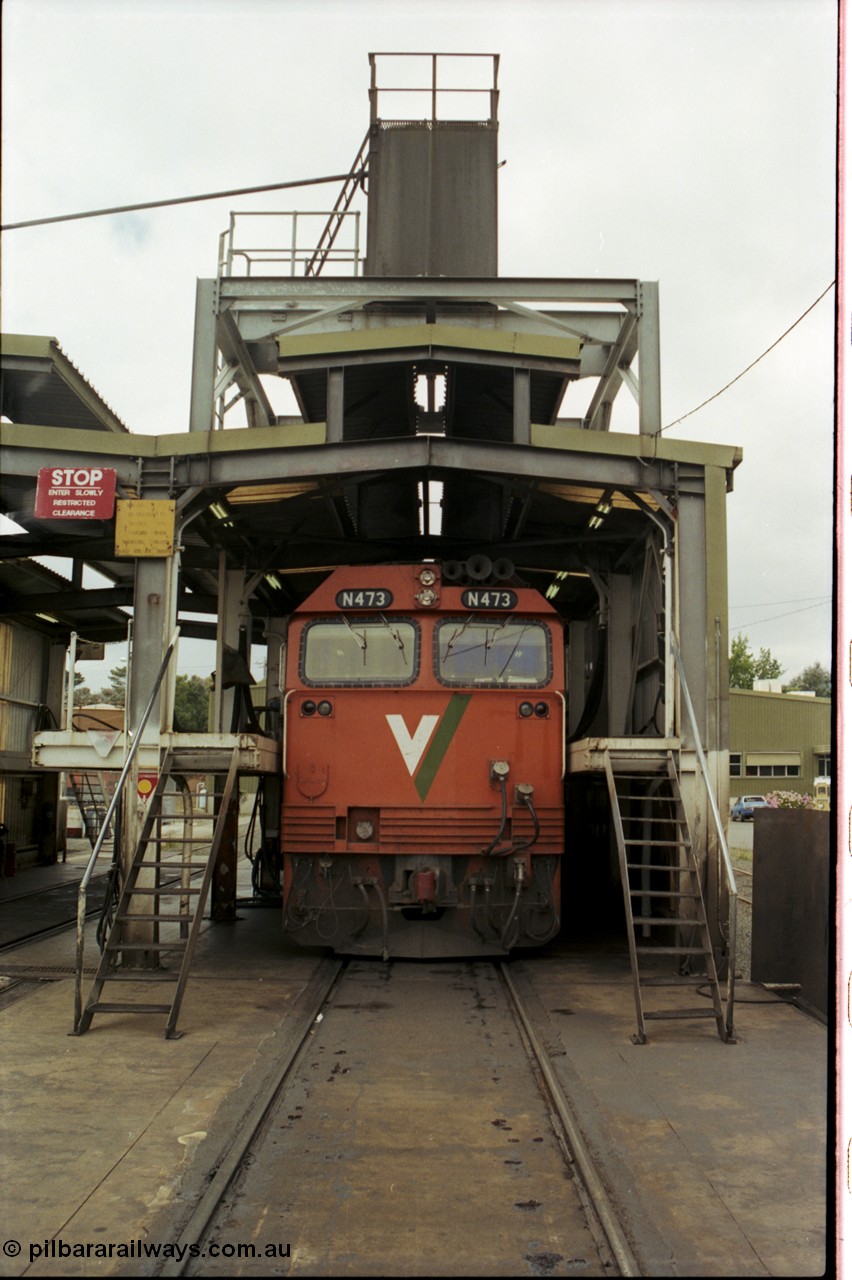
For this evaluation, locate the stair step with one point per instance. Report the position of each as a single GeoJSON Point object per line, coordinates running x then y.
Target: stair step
{"type": "Point", "coordinates": [659, 866]}
{"type": "Point", "coordinates": [141, 975]}
{"type": "Point", "coordinates": [663, 893]}
{"type": "Point", "coordinates": [181, 919]}
{"type": "Point", "coordinates": [668, 922]}
{"type": "Point", "coordinates": [683, 1013]}
{"type": "Point", "coordinates": [169, 839]}
{"type": "Point", "coordinates": [671, 951]}
{"type": "Point", "coordinates": [653, 822]}
{"type": "Point", "coordinates": [179, 945]}
{"type": "Point", "coordinates": [660, 844]}
{"type": "Point", "coordinates": [175, 866]}
{"type": "Point", "coordinates": [166, 890]}
{"type": "Point", "coordinates": [129, 1008]}
{"type": "Point", "coordinates": [676, 980]}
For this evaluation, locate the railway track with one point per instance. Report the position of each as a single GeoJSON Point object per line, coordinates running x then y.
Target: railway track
{"type": "Point", "coordinates": [748, 876]}
{"type": "Point", "coordinates": [40, 913]}
{"type": "Point", "coordinates": [415, 1125]}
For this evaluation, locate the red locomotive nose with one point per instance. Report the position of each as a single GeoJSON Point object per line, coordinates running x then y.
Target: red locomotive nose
{"type": "Point", "coordinates": [423, 885]}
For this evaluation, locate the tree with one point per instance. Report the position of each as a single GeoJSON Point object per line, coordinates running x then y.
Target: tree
{"type": "Point", "coordinates": [117, 691]}
{"type": "Point", "coordinates": [744, 668]}
{"type": "Point", "coordinates": [192, 698]}
{"type": "Point", "coordinates": [83, 696]}
{"type": "Point", "coordinates": [814, 679]}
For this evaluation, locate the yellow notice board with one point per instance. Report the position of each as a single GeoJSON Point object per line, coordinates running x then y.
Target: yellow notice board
{"type": "Point", "coordinates": [144, 527]}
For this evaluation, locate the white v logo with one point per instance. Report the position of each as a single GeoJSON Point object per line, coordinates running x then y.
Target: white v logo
{"type": "Point", "coordinates": [412, 746]}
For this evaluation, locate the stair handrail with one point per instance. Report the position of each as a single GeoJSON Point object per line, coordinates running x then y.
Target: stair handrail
{"type": "Point", "coordinates": [335, 218]}
{"type": "Point", "coordinates": [723, 843]}
{"type": "Point", "coordinates": [135, 737]}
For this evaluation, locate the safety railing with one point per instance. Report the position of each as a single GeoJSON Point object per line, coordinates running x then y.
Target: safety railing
{"type": "Point", "coordinates": [728, 866]}
{"type": "Point", "coordinates": [434, 87]}
{"type": "Point", "coordinates": [135, 741]}
{"type": "Point", "coordinates": [294, 243]}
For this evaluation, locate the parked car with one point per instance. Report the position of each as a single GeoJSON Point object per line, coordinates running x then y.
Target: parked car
{"type": "Point", "coordinates": [744, 808]}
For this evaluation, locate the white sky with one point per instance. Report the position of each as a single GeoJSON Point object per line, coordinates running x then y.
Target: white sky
{"type": "Point", "coordinates": [686, 141]}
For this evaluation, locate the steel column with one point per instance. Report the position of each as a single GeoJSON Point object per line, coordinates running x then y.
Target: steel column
{"type": "Point", "coordinates": [202, 401]}
{"type": "Point", "coordinates": [650, 410]}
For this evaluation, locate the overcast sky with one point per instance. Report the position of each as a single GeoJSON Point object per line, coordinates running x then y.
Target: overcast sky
{"type": "Point", "coordinates": [686, 141]}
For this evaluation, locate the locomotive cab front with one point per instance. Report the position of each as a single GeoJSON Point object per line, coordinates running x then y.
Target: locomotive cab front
{"type": "Point", "coordinates": [423, 766]}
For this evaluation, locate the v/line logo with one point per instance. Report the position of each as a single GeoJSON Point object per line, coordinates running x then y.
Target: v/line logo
{"type": "Point", "coordinates": [423, 751]}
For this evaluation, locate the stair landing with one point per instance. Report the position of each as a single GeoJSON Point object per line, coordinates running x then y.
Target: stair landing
{"type": "Point", "coordinates": [588, 755]}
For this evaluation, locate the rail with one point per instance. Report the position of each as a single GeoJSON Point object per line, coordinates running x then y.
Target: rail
{"type": "Point", "coordinates": [287, 249]}
{"type": "Point", "coordinates": [461, 101]}
{"type": "Point", "coordinates": [356, 177]}
{"type": "Point", "coordinates": [720, 833]}
{"type": "Point", "coordinates": [136, 738]}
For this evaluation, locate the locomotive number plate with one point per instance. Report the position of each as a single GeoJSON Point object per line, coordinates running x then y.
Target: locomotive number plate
{"type": "Point", "coordinates": [364, 598]}
{"type": "Point", "coordinates": [489, 598]}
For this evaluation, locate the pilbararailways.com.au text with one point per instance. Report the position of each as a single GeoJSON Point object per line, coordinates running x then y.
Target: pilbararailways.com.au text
{"type": "Point", "coordinates": [54, 1249]}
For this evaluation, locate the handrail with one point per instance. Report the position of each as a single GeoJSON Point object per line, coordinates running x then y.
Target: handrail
{"type": "Point", "coordinates": [136, 737]}
{"type": "Point", "coordinates": [335, 218]}
{"type": "Point", "coordinates": [723, 843]}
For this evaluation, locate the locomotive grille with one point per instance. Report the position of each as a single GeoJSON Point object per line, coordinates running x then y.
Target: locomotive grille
{"type": "Point", "coordinates": [312, 829]}
{"type": "Point", "coordinates": [308, 828]}
{"type": "Point", "coordinates": [428, 830]}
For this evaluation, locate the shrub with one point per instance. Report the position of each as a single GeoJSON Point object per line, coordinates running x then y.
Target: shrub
{"type": "Point", "coordinates": [788, 800]}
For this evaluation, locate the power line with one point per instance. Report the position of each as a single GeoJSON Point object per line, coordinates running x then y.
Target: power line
{"type": "Point", "coordinates": [753, 363]}
{"type": "Point", "coordinates": [768, 604]}
{"type": "Point", "coordinates": [162, 204]}
{"type": "Point", "coordinates": [746, 626]}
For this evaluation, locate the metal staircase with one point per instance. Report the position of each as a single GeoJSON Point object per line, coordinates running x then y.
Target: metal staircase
{"type": "Point", "coordinates": [166, 888]}
{"type": "Point", "coordinates": [354, 180]}
{"type": "Point", "coordinates": [663, 903]}
{"type": "Point", "coordinates": [92, 794]}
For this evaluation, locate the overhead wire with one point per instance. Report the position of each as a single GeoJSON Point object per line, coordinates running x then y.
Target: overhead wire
{"type": "Point", "coordinates": [769, 604]}
{"type": "Point", "coordinates": [162, 204]}
{"type": "Point", "coordinates": [746, 626]}
{"type": "Point", "coordinates": [727, 385]}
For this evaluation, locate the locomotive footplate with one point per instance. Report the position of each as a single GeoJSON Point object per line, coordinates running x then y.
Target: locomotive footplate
{"type": "Point", "coordinates": [422, 906]}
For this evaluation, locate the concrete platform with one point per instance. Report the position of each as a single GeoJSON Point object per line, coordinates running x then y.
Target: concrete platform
{"type": "Point", "coordinates": [717, 1152]}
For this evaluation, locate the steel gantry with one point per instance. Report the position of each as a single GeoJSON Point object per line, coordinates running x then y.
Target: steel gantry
{"type": "Point", "coordinates": [427, 426]}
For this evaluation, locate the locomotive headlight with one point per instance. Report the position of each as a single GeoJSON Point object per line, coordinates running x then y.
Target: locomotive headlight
{"type": "Point", "coordinates": [324, 708]}
{"type": "Point", "coordinates": [427, 597]}
{"type": "Point", "coordinates": [308, 708]}
{"type": "Point", "coordinates": [428, 577]}
{"type": "Point", "coordinates": [526, 709]}
{"type": "Point", "coordinates": [541, 709]}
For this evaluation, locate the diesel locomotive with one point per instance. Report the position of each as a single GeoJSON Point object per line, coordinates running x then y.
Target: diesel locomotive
{"type": "Point", "coordinates": [424, 762]}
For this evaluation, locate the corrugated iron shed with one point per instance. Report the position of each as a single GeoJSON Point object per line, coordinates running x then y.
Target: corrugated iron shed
{"type": "Point", "coordinates": [41, 385]}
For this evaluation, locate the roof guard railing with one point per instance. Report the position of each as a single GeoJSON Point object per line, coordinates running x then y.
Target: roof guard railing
{"type": "Point", "coordinates": [136, 739]}
{"type": "Point", "coordinates": [287, 249]}
{"type": "Point", "coordinates": [461, 100]}
{"type": "Point", "coordinates": [730, 879]}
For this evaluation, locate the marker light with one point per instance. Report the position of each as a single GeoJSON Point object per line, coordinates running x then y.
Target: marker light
{"type": "Point", "coordinates": [541, 709]}
{"type": "Point", "coordinates": [308, 708]}
{"type": "Point", "coordinates": [324, 708]}
{"type": "Point", "coordinates": [526, 709]}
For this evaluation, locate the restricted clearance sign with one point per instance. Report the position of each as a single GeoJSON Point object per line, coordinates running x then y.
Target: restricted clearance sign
{"type": "Point", "coordinates": [75, 493]}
